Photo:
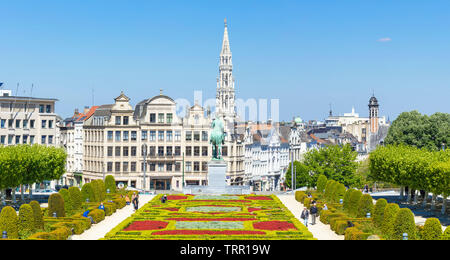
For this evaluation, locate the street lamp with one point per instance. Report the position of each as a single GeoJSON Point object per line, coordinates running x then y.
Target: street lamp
{"type": "Point", "coordinates": [144, 155]}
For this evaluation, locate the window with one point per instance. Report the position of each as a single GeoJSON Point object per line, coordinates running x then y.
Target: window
{"type": "Point", "coordinates": [177, 150]}
{"type": "Point", "coordinates": [152, 167]}
{"type": "Point", "coordinates": [31, 139]}
{"type": "Point", "coordinates": [44, 123]}
{"type": "Point", "coordinates": [169, 167]}
{"type": "Point", "coordinates": [161, 151]}
{"type": "Point", "coordinates": [133, 167]}
{"type": "Point", "coordinates": [10, 123]}
{"type": "Point", "coordinates": [160, 167]}
{"type": "Point", "coordinates": [169, 151]}
{"type": "Point", "coordinates": [133, 135]}
{"type": "Point", "coordinates": [125, 135]}
{"type": "Point", "coordinates": [205, 151]}
{"type": "Point", "coordinates": [160, 135]}
{"type": "Point", "coordinates": [10, 139]}
{"type": "Point", "coordinates": [43, 139]}
{"type": "Point", "coordinates": [41, 108]}
{"type": "Point", "coordinates": [125, 151]}
{"type": "Point", "coordinates": [188, 167]}
{"type": "Point", "coordinates": [17, 123]}
{"type": "Point", "coordinates": [133, 150]}
{"type": "Point", "coordinates": [125, 120]}
{"type": "Point", "coordinates": [110, 151]}
{"type": "Point", "coordinates": [152, 118]}
{"type": "Point", "coordinates": [50, 139]}
{"type": "Point", "coordinates": [117, 135]}
{"type": "Point", "coordinates": [197, 136]}
{"type": "Point", "coordinates": [196, 151]}
{"type": "Point", "coordinates": [169, 136]}
{"type": "Point", "coordinates": [144, 135]}
{"type": "Point", "coordinates": [48, 109]}
{"type": "Point", "coordinates": [224, 151]}
{"type": "Point", "coordinates": [152, 151]}
{"type": "Point", "coordinates": [169, 118]}
{"type": "Point", "coordinates": [2, 139]}
{"type": "Point", "coordinates": [152, 136]}
{"type": "Point", "coordinates": [204, 166]}
{"type": "Point", "coordinates": [109, 167]}
{"type": "Point", "coordinates": [125, 167]}
{"type": "Point", "coordinates": [31, 123]}
{"type": "Point", "coordinates": [188, 135]}
{"type": "Point", "coordinates": [196, 166]}
{"type": "Point", "coordinates": [2, 123]}
{"type": "Point", "coordinates": [110, 135]}
{"type": "Point", "coordinates": [117, 166]}
{"type": "Point", "coordinates": [161, 118]}
{"type": "Point", "coordinates": [177, 136]}
{"type": "Point", "coordinates": [188, 151]}
{"type": "Point", "coordinates": [117, 151]}
{"type": "Point", "coordinates": [177, 167]}
{"type": "Point", "coordinates": [50, 123]}
{"type": "Point", "coordinates": [204, 136]}
{"type": "Point", "coordinates": [25, 124]}
{"type": "Point", "coordinates": [25, 139]}
{"type": "Point", "coordinates": [118, 120]}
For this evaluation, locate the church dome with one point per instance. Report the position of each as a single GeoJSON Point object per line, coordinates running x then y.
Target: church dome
{"type": "Point", "coordinates": [298, 120]}
{"type": "Point", "coordinates": [373, 101]}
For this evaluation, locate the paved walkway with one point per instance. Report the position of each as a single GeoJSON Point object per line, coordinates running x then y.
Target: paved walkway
{"type": "Point", "coordinates": [319, 230]}
{"type": "Point", "coordinates": [98, 231]}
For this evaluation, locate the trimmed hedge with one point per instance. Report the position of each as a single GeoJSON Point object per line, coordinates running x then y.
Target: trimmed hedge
{"type": "Point", "coordinates": [354, 233]}
{"type": "Point", "coordinates": [340, 192]}
{"type": "Point", "coordinates": [87, 192]}
{"type": "Point", "coordinates": [97, 215]}
{"type": "Point", "coordinates": [9, 222]}
{"type": "Point", "coordinates": [76, 198]}
{"type": "Point", "coordinates": [67, 202]}
{"type": "Point", "coordinates": [26, 220]}
{"type": "Point", "coordinates": [404, 223]}
{"type": "Point", "coordinates": [300, 196]}
{"type": "Point", "coordinates": [378, 212]}
{"type": "Point", "coordinates": [110, 183]}
{"type": "Point", "coordinates": [347, 199]}
{"type": "Point", "coordinates": [353, 202]}
{"type": "Point", "coordinates": [321, 183]}
{"type": "Point", "coordinates": [389, 220]}
{"type": "Point", "coordinates": [37, 215]}
{"type": "Point", "coordinates": [329, 190]}
{"type": "Point", "coordinates": [432, 229]}
{"type": "Point", "coordinates": [56, 204]}
{"type": "Point", "coordinates": [365, 205]}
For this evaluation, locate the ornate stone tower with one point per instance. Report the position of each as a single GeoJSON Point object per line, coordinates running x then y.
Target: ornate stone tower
{"type": "Point", "coordinates": [373, 115]}
{"type": "Point", "coordinates": [225, 98]}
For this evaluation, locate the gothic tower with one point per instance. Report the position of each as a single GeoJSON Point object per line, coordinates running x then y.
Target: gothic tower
{"type": "Point", "coordinates": [373, 115]}
{"type": "Point", "coordinates": [225, 98]}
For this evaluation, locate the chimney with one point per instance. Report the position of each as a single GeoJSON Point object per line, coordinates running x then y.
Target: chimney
{"type": "Point", "coordinates": [76, 112]}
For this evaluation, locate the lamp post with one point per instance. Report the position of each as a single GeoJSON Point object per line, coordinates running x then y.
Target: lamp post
{"type": "Point", "coordinates": [144, 155]}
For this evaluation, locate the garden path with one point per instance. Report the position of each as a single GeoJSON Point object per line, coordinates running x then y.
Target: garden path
{"type": "Point", "coordinates": [98, 231]}
{"type": "Point", "coordinates": [319, 230]}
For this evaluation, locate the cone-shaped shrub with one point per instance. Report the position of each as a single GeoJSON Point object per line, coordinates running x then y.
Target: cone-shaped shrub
{"type": "Point", "coordinates": [339, 192]}
{"type": "Point", "coordinates": [75, 198]}
{"type": "Point", "coordinates": [432, 230]}
{"type": "Point", "coordinates": [378, 213]}
{"type": "Point", "coordinates": [321, 183]}
{"type": "Point", "coordinates": [353, 202]}
{"type": "Point", "coordinates": [87, 191]}
{"type": "Point", "coordinates": [67, 202]}
{"type": "Point", "coordinates": [365, 205]}
{"type": "Point", "coordinates": [404, 223]}
{"type": "Point", "coordinates": [26, 220]}
{"type": "Point", "coordinates": [387, 227]}
{"type": "Point", "coordinates": [9, 222]}
{"type": "Point", "coordinates": [347, 199]}
{"type": "Point", "coordinates": [329, 190]}
{"type": "Point", "coordinates": [56, 204]}
{"type": "Point", "coordinates": [37, 215]}
{"type": "Point", "coordinates": [110, 183]}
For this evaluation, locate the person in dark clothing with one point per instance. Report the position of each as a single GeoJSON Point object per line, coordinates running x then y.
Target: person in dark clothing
{"type": "Point", "coordinates": [136, 202]}
{"type": "Point", "coordinates": [313, 211]}
{"type": "Point", "coordinates": [86, 215]}
{"type": "Point", "coordinates": [305, 216]}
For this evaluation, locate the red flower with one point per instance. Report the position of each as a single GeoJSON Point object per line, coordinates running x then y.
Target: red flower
{"type": "Point", "coordinates": [258, 198]}
{"type": "Point", "coordinates": [211, 219]}
{"type": "Point", "coordinates": [253, 209]}
{"type": "Point", "coordinates": [274, 225]}
{"type": "Point", "coordinates": [146, 225]}
{"type": "Point", "coordinates": [208, 232]}
{"type": "Point", "coordinates": [221, 201]}
{"type": "Point", "coordinates": [174, 197]}
{"type": "Point", "coordinates": [172, 209]}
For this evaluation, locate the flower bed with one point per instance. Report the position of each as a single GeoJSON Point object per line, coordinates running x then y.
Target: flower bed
{"type": "Point", "coordinates": [212, 217]}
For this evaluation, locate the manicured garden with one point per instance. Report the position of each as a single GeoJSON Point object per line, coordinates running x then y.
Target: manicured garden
{"type": "Point", "coordinates": [205, 217]}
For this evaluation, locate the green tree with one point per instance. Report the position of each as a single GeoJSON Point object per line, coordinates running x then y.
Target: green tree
{"type": "Point", "coordinates": [302, 175]}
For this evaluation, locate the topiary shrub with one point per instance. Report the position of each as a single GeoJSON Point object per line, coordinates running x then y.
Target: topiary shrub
{"type": "Point", "coordinates": [300, 196]}
{"type": "Point", "coordinates": [340, 226]}
{"type": "Point", "coordinates": [354, 233]}
{"type": "Point", "coordinates": [324, 215]}
{"type": "Point", "coordinates": [353, 202]}
{"type": "Point", "coordinates": [56, 204]}
{"type": "Point", "coordinates": [75, 198]}
{"type": "Point", "coordinates": [446, 234]}
{"type": "Point", "coordinates": [110, 183]}
{"type": "Point", "coordinates": [347, 199]}
{"type": "Point", "coordinates": [432, 230]}
{"type": "Point", "coordinates": [365, 205]}
{"type": "Point", "coordinates": [67, 202]}
{"type": "Point", "coordinates": [404, 223]}
{"type": "Point", "coordinates": [97, 215]}
{"type": "Point", "coordinates": [307, 203]}
{"type": "Point", "coordinates": [37, 215]}
{"type": "Point", "coordinates": [378, 212]}
{"type": "Point", "coordinates": [87, 192]}
{"type": "Point", "coordinates": [339, 193]}
{"type": "Point", "coordinates": [61, 233]}
{"type": "Point", "coordinates": [387, 228]}
{"type": "Point", "coordinates": [321, 183]}
{"type": "Point", "coordinates": [9, 222]}
{"type": "Point", "coordinates": [329, 189]}
{"type": "Point", "coordinates": [26, 221]}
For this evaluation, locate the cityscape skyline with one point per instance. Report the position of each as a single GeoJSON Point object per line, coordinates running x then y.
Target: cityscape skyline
{"type": "Point", "coordinates": [69, 57]}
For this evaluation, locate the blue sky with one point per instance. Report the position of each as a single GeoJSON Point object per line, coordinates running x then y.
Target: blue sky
{"type": "Point", "coordinates": [308, 54]}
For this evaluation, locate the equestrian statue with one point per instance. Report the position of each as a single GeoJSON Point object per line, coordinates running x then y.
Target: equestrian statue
{"type": "Point", "coordinates": [217, 138]}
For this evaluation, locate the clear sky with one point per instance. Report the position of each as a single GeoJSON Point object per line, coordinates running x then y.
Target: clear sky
{"type": "Point", "coordinates": [306, 53]}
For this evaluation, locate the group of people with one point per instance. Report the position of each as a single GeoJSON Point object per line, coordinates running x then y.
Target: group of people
{"type": "Point", "coordinates": [313, 211]}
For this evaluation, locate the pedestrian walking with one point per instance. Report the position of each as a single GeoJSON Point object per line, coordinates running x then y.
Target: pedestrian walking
{"type": "Point", "coordinates": [305, 216]}
{"type": "Point", "coordinates": [313, 211]}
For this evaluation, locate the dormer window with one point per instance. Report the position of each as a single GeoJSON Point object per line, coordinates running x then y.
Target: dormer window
{"type": "Point", "coordinates": [118, 120]}
{"type": "Point", "coordinates": [125, 120]}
